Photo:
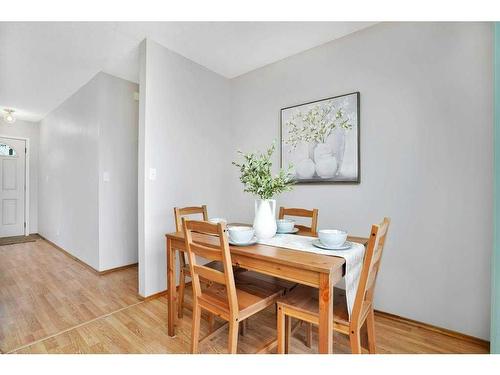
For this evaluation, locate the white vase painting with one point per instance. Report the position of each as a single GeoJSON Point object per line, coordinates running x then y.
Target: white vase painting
{"type": "Point", "coordinates": [320, 140]}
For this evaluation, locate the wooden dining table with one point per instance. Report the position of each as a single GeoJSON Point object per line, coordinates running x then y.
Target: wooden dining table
{"type": "Point", "coordinates": [316, 270]}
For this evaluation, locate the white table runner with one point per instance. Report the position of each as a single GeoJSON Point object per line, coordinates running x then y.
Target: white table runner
{"type": "Point", "coordinates": [353, 259]}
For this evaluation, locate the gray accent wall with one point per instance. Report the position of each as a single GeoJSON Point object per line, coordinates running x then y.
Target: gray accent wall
{"type": "Point", "coordinates": [426, 157]}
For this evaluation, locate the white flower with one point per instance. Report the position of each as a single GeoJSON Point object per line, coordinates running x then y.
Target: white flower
{"type": "Point", "coordinates": [318, 123]}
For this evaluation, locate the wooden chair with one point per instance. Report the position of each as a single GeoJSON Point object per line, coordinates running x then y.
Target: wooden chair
{"type": "Point", "coordinates": [301, 212]}
{"type": "Point", "coordinates": [223, 297]}
{"type": "Point", "coordinates": [302, 302]}
{"type": "Point", "coordinates": [311, 231]}
{"type": "Point", "coordinates": [184, 269]}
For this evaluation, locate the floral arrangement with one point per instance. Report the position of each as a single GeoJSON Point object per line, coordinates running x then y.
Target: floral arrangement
{"type": "Point", "coordinates": [257, 178]}
{"type": "Point", "coordinates": [317, 123]}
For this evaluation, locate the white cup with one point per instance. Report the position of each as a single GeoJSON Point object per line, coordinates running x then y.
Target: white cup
{"type": "Point", "coordinates": [332, 237]}
{"type": "Point", "coordinates": [240, 234]}
{"type": "Point", "coordinates": [285, 225]}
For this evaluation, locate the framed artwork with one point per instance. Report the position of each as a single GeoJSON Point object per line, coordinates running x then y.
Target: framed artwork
{"type": "Point", "coordinates": [320, 140]}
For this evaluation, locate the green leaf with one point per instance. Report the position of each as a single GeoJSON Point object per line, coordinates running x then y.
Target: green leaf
{"type": "Point", "coordinates": [256, 177]}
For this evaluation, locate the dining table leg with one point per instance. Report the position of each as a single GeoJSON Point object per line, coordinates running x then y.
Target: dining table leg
{"type": "Point", "coordinates": [325, 328]}
{"type": "Point", "coordinates": [171, 288]}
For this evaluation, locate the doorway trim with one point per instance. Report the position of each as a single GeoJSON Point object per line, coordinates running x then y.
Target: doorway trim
{"type": "Point", "coordinates": [26, 181]}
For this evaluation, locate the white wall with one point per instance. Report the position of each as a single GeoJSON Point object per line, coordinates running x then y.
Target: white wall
{"type": "Point", "coordinates": [183, 134]}
{"type": "Point", "coordinates": [30, 130]}
{"type": "Point", "coordinates": [426, 157]}
{"type": "Point", "coordinates": [78, 141]}
{"type": "Point", "coordinates": [118, 142]}
{"type": "Point", "coordinates": [69, 176]}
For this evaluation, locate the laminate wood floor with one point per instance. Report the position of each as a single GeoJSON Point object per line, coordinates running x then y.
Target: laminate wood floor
{"type": "Point", "coordinates": [43, 291]}
{"type": "Point", "coordinates": [52, 304]}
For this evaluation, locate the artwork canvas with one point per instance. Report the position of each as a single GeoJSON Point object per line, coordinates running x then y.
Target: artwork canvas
{"type": "Point", "coordinates": [320, 140]}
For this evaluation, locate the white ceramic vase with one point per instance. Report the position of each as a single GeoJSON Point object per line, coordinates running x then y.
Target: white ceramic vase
{"type": "Point", "coordinates": [304, 169]}
{"type": "Point", "coordinates": [322, 150]}
{"type": "Point", "coordinates": [326, 164]}
{"type": "Point", "coordinates": [326, 167]}
{"type": "Point", "coordinates": [338, 139]}
{"type": "Point", "coordinates": [265, 218]}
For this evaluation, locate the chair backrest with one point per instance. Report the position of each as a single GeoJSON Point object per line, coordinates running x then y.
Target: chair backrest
{"type": "Point", "coordinates": [213, 246]}
{"type": "Point", "coordinates": [369, 272]}
{"type": "Point", "coordinates": [301, 212]}
{"type": "Point", "coordinates": [179, 212]}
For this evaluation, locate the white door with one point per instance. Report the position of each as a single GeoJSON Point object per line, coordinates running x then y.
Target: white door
{"type": "Point", "coordinates": [12, 186]}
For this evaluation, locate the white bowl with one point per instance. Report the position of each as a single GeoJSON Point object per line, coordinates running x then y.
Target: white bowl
{"type": "Point", "coordinates": [332, 237]}
{"type": "Point", "coordinates": [285, 225]}
{"type": "Point", "coordinates": [241, 234]}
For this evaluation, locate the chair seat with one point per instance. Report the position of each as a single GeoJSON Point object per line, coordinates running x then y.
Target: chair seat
{"type": "Point", "coordinates": [245, 276]}
{"type": "Point", "coordinates": [305, 299]}
{"type": "Point", "coordinates": [252, 297]}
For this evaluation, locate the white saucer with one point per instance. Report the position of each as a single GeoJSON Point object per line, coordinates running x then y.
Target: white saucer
{"type": "Point", "coordinates": [253, 241]}
{"type": "Point", "coordinates": [294, 230]}
{"type": "Point", "coordinates": [346, 245]}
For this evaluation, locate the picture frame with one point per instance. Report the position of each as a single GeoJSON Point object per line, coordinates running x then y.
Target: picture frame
{"type": "Point", "coordinates": [320, 140]}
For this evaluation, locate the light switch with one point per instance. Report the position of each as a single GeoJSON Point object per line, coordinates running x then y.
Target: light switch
{"type": "Point", "coordinates": [152, 174]}
{"type": "Point", "coordinates": [105, 176]}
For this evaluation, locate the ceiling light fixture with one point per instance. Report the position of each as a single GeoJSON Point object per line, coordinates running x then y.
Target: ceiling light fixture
{"type": "Point", "coordinates": [8, 116]}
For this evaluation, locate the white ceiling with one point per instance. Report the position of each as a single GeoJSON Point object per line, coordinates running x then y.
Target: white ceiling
{"type": "Point", "coordinates": [43, 63]}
